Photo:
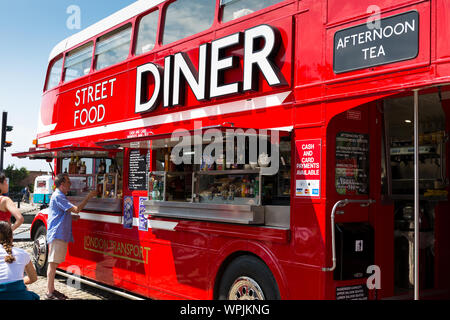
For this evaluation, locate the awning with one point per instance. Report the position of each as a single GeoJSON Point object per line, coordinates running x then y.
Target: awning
{"type": "Point", "coordinates": [65, 152]}
{"type": "Point", "coordinates": [165, 140]}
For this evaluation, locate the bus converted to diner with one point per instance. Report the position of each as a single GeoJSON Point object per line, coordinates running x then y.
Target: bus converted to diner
{"type": "Point", "coordinates": [242, 149]}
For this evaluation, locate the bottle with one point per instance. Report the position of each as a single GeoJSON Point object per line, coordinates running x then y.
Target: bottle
{"type": "Point", "coordinates": [71, 163]}
{"type": "Point", "coordinates": [256, 187]}
{"type": "Point", "coordinates": [83, 168]}
{"type": "Point", "coordinates": [77, 165]}
{"type": "Point", "coordinates": [243, 189]}
{"type": "Point", "coordinates": [161, 191]}
{"type": "Point", "coordinates": [100, 190]}
{"type": "Point", "coordinates": [101, 167]}
{"type": "Point", "coordinates": [155, 190]}
{"type": "Point", "coordinates": [166, 161]}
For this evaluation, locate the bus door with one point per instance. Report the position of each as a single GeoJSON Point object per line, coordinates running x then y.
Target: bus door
{"type": "Point", "coordinates": [398, 189]}
{"type": "Point", "coordinates": [351, 190]}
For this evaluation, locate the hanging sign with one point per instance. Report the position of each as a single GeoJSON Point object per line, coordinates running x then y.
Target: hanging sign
{"type": "Point", "coordinates": [307, 168]}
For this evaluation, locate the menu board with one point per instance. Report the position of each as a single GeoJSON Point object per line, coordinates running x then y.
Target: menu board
{"type": "Point", "coordinates": [352, 163]}
{"type": "Point", "coordinates": [137, 177]}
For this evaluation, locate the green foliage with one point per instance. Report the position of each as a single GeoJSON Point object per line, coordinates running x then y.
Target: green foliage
{"type": "Point", "coordinates": [16, 176]}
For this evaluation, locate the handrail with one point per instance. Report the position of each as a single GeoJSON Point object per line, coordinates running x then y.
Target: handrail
{"type": "Point", "coordinates": [341, 203]}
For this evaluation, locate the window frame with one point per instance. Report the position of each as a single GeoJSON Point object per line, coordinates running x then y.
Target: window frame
{"type": "Point", "coordinates": [137, 24]}
{"type": "Point", "coordinates": [250, 15]}
{"type": "Point", "coordinates": [66, 54]}
{"type": "Point", "coordinates": [117, 29]}
{"type": "Point", "coordinates": [162, 25]}
{"type": "Point", "coordinates": [61, 57]}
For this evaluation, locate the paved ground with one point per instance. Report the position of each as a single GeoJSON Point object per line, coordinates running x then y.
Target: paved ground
{"type": "Point", "coordinates": [62, 284]}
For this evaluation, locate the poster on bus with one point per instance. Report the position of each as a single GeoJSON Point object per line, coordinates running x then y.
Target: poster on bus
{"type": "Point", "coordinates": [128, 212]}
{"type": "Point", "coordinates": [307, 170]}
{"type": "Point", "coordinates": [143, 221]}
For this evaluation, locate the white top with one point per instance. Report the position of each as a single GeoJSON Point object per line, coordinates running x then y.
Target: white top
{"type": "Point", "coordinates": [109, 22]}
{"type": "Point", "coordinates": [15, 271]}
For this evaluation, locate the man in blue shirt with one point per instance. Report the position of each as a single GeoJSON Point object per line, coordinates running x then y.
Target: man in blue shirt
{"type": "Point", "coordinates": [59, 229]}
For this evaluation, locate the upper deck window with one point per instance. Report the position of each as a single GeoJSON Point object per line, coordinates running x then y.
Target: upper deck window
{"type": "Point", "coordinates": [55, 74]}
{"type": "Point", "coordinates": [146, 38]}
{"type": "Point", "coordinates": [113, 47]}
{"type": "Point", "coordinates": [234, 9]}
{"type": "Point", "coordinates": [187, 17]}
{"type": "Point", "coordinates": [78, 62]}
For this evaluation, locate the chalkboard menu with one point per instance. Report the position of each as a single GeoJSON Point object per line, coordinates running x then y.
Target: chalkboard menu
{"type": "Point", "coordinates": [352, 163]}
{"type": "Point", "coordinates": [139, 163]}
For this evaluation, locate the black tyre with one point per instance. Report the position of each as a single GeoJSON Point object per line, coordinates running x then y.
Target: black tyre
{"type": "Point", "coordinates": [40, 251]}
{"type": "Point", "coordinates": [248, 278]}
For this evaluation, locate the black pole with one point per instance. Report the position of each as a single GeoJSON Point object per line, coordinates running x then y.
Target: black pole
{"type": "Point", "coordinates": [2, 146]}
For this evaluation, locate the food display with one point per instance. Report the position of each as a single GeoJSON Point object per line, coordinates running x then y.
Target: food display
{"type": "Point", "coordinates": [227, 188]}
{"type": "Point", "coordinates": [101, 174]}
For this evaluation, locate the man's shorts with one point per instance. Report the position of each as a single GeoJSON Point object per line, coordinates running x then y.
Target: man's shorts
{"type": "Point", "coordinates": [57, 251]}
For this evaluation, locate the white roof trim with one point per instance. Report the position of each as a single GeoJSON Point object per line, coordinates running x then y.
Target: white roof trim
{"type": "Point", "coordinates": [103, 25]}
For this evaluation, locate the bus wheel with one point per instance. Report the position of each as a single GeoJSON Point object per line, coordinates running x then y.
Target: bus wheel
{"type": "Point", "coordinates": [248, 278]}
{"type": "Point", "coordinates": [40, 251]}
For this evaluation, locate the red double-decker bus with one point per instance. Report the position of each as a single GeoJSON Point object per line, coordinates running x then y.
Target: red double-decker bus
{"type": "Point", "coordinates": [243, 149]}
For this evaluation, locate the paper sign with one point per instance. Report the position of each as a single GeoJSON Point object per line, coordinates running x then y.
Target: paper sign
{"type": "Point", "coordinates": [307, 170]}
{"type": "Point", "coordinates": [128, 212]}
{"type": "Point", "coordinates": [143, 221]}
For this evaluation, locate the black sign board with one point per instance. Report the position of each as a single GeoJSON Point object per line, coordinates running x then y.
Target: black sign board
{"type": "Point", "coordinates": [395, 39]}
{"type": "Point", "coordinates": [137, 178]}
{"type": "Point", "coordinates": [358, 292]}
{"type": "Point", "coordinates": [352, 163]}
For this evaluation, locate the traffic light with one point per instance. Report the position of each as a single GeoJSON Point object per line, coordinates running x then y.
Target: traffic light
{"type": "Point", "coordinates": [4, 144]}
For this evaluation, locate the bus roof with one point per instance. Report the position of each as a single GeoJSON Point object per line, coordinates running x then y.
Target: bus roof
{"type": "Point", "coordinates": [103, 25]}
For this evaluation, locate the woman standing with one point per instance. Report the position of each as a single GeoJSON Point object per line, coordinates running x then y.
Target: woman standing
{"type": "Point", "coordinates": [7, 206]}
{"type": "Point", "coordinates": [13, 263]}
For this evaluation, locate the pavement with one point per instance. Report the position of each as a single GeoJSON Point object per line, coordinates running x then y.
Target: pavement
{"type": "Point", "coordinates": [74, 290]}
{"type": "Point", "coordinates": [29, 211]}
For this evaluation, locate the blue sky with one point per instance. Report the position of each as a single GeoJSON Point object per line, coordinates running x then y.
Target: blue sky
{"type": "Point", "coordinates": [29, 30]}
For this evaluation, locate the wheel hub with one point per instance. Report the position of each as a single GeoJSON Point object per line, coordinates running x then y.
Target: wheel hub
{"type": "Point", "coordinates": [245, 288]}
{"type": "Point", "coordinates": [40, 250]}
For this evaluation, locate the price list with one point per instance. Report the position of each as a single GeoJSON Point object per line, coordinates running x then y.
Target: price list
{"type": "Point", "coordinates": [137, 178]}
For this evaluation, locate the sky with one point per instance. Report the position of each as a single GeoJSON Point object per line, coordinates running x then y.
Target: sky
{"type": "Point", "coordinates": [29, 29]}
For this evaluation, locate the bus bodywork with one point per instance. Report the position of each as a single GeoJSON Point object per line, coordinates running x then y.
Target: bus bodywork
{"type": "Point", "coordinates": [339, 86]}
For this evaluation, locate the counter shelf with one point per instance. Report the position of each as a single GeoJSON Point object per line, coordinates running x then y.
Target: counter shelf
{"type": "Point", "coordinates": [83, 183]}
{"type": "Point", "coordinates": [239, 210]}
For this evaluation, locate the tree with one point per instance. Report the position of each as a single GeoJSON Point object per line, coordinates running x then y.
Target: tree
{"type": "Point", "coordinates": [16, 176]}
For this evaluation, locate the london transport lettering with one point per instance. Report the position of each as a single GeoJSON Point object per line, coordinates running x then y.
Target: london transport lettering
{"type": "Point", "coordinates": [117, 249]}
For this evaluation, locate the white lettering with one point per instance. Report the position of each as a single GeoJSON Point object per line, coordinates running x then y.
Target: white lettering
{"type": "Point", "coordinates": [218, 65]}
{"type": "Point", "coordinates": [260, 57]}
{"type": "Point", "coordinates": [142, 73]}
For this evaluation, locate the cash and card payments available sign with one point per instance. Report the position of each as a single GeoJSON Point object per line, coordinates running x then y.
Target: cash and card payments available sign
{"type": "Point", "coordinates": [392, 39]}
{"type": "Point", "coordinates": [307, 168]}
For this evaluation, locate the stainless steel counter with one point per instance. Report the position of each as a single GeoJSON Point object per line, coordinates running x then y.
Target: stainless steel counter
{"type": "Point", "coordinates": [241, 214]}
{"type": "Point", "coordinates": [97, 204]}
{"type": "Point", "coordinates": [277, 216]}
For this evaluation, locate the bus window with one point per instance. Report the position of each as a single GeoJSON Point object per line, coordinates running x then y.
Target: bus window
{"type": "Point", "coordinates": [147, 33]}
{"type": "Point", "coordinates": [113, 48]}
{"type": "Point", "coordinates": [55, 74]}
{"type": "Point", "coordinates": [187, 17]}
{"type": "Point", "coordinates": [234, 9]}
{"type": "Point", "coordinates": [78, 62]}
